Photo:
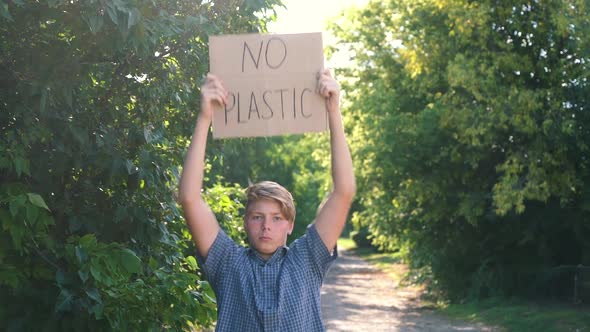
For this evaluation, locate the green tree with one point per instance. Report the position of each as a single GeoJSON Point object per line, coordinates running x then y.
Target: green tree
{"type": "Point", "coordinates": [97, 100]}
{"type": "Point", "coordinates": [300, 163]}
{"type": "Point", "coordinates": [470, 133]}
{"type": "Point", "coordinates": [305, 164]}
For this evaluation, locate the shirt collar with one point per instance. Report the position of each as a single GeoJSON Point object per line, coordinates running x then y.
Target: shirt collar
{"type": "Point", "coordinates": [278, 254]}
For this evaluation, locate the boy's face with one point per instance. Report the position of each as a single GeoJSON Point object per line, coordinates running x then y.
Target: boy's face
{"type": "Point", "coordinates": [266, 227]}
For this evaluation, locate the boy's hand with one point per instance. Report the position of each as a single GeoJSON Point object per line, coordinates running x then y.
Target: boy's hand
{"type": "Point", "coordinates": [212, 92]}
{"type": "Point", "coordinates": [330, 90]}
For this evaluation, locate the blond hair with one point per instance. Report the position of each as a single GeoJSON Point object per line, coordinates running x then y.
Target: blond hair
{"type": "Point", "coordinates": [273, 191]}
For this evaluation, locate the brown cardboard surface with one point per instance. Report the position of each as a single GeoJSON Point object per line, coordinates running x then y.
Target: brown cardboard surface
{"type": "Point", "coordinates": [272, 81]}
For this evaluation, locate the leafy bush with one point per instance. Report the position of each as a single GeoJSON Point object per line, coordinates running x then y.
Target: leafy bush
{"type": "Point", "coordinates": [97, 101]}
{"type": "Point", "coordinates": [469, 130]}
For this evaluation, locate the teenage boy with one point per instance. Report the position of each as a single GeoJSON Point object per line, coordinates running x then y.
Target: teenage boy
{"type": "Point", "coordinates": [268, 286]}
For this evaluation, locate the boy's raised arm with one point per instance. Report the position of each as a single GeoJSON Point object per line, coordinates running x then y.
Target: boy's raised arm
{"type": "Point", "coordinates": [198, 214]}
{"type": "Point", "coordinates": [332, 214]}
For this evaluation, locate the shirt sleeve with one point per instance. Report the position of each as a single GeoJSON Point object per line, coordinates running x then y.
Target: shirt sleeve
{"type": "Point", "coordinates": [220, 255]}
{"type": "Point", "coordinates": [312, 249]}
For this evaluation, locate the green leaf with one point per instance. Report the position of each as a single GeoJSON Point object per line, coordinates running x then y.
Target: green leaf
{"type": "Point", "coordinates": [32, 214]}
{"type": "Point", "coordinates": [17, 233]}
{"type": "Point", "coordinates": [192, 21]}
{"type": "Point", "coordinates": [83, 275]}
{"type": "Point", "coordinates": [43, 100]}
{"type": "Point", "coordinates": [95, 22]}
{"type": "Point", "coordinates": [88, 241]}
{"type": "Point", "coordinates": [130, 166]}
{"type": "Point", "coordinates": [80, 135]}
{"type": "Point", "coordinates": [130, 261]}
{"type": "Point", "coordinates": [21, 166]}
{"type": "Point", "coordinates": [62, 278]}
{"type": "Point", "coordinates": [192, 262]}
{"type": "Point", "coordinates": [5, 219]}
{"type": "Point", "coordinates": [67, 94]}
{"type": "Point", "coordinates": [64, 301]}
{"type": "Point", "coordinates": [9, 275]}
{"type": "Point", "coordinates": [148, 134]}
{"type": "Point", "coordinates": [97, 310]}
{"type": "Point", "coordinates": [96, 274]}
{"type": "Point", "coordinates": [152, 263]}
{"type": "Point", "coordinates": [14, 206]}
{"type": "Point", "coordinates": [81, 255]}
{"type": "Point", "coordinates": [94, 294]}
{"type": "Point", "coordinates": [5, 12]}
{"type": "Point", "coordinates": [134, 16]}
{"type": "Point", "coordinates": [38, 201]}
{"type": "Point", "coordinates": [113, 13]}
{"type": "Point", "coordinates": [46, 219]}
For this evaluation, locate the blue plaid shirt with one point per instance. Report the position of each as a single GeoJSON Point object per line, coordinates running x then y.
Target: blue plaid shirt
{"type": "Point", "coordinates": [281, 294]}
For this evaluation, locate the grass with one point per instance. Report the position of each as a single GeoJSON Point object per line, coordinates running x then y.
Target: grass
{"type": "Point", "coordinates": [505, 314]}
{"type": "Point", "coordinates": [346, 243]}
{"type": "Point", "coordinates": [520, 315]}
{"type": "Point", "coordinates": [390, 263]}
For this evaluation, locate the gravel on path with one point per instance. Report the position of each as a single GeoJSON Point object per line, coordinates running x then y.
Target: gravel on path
{"type": "Point", "coordinates": [357, 296]}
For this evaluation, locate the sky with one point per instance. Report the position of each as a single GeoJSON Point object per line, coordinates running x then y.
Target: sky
{"type": "Point", "coordinates": [311, 16]}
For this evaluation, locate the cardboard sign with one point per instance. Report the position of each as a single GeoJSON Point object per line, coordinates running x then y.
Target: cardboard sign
{"type": "Point", "coordinates": [272, 83]}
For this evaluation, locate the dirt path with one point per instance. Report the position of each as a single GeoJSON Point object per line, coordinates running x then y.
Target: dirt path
{"type": "Point", "coordinates": [356, 296]}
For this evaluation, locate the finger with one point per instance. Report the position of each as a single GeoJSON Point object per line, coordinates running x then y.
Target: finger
{"type": "Point", "coordinates": [211, 77]}
{"type": "Point", "coordinates": [218, 84]}
{"type": "Point", "coordinates": [323, 76]}
{"type": "Point", "coordinates": [222, 95]}
{"type": "Point", "coordinates": [325, 91]}
{"type": "Point", "coordinates": [215, 87]}
{"type": "Point", "coordinates": [216, 95]}
{"type": "Point", "coordinates": [219, 99]}
{"type": "Point", "coordinates": [318, 86]}
{"type": "Point", "coordinates": [214, 81]}
{"type": "Point", "coordinates": [208, 79]}
{"type": "Point", "coordinates": [326, 80]}
{"type": "Point", "coordinates": [208, 91]}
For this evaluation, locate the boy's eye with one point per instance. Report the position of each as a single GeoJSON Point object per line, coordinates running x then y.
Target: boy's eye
{"type": "Point", "coordinates": [277, 218]}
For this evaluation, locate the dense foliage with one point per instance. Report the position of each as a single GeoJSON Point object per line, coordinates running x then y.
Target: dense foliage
{"type": "Point", "coordinates": [470, 131]}
{"type": "Point", "coordinates": [97, 102]}
{"type": "Point", "coordinates": [300, 163]}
